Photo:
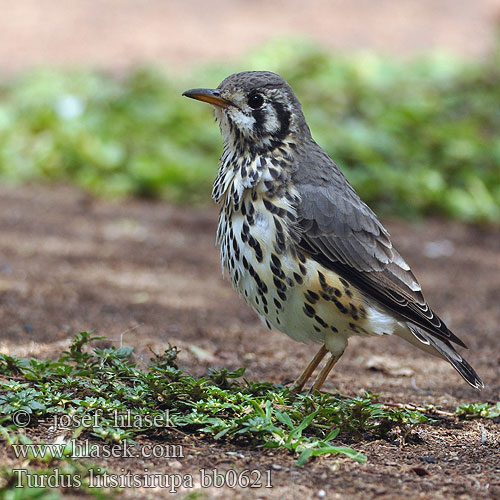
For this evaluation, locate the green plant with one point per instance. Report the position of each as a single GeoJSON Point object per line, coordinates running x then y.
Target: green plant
{"type": "Point", "coordinates": [414, 137]}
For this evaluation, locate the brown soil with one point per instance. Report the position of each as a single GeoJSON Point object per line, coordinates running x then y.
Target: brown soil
{"type": "Point", "coordinates": [147, 273]}
{"type": "Point", "coordinates": [115, 34]}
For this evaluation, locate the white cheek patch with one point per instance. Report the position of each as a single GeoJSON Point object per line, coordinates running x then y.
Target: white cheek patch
{"type": "Point", "coordinates": [272, 124]}
{"type": "Point", "coordinates": [244, 122]}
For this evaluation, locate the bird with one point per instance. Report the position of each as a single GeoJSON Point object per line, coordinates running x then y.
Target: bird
{"type": "Point", "coordinates": [298, 243]}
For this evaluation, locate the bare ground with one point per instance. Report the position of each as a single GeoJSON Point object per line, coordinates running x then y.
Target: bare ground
{"type": "Point", "coordinates": [116, 34]}
{"type": "Point", "coordinates": [147, 273]}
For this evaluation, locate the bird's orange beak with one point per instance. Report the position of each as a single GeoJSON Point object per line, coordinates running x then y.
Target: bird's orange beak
{"type": "Point", "coordinates": [212, 96]}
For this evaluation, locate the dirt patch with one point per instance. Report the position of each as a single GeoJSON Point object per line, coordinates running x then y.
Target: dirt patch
{"type": "Point", "coordinates": [148, 273]}
{"type": "Point", "coordinates": [115, 34]}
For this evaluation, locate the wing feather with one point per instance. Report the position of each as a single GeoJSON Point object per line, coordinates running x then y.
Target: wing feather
{"type": "Point", "coordinates": [342, 233]}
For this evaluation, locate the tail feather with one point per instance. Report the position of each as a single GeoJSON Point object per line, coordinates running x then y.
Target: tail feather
{"type": "Point", "coordinates": [444, 348]}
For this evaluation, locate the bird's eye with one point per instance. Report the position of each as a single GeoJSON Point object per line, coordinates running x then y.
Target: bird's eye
{"type": "Point", "coordinates": [255, 101]}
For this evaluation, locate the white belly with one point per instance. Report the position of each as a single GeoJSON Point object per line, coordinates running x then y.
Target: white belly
{"type": "Point", "coordinates": [291, 297]}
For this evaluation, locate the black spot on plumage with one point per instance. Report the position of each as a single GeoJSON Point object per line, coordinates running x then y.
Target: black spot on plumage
{"type": "Point", "coordinates": [298, 278]}
{"type": "Point", "coordinates": [337, 292]}
{"type": "Point", "coordinates": [334, 330]}
{"type": "Point", "coordinates": [275, 260]}
{"type": "Point", "coordinates": [277, 271]}
{"type": "Point", "coordinates": [280, 236]}
{"type": "Point", "coordinates": [252, 241]}
{"type": "Point", "coordinates": [258, 253]}
{"type": "Point", "coordinates": [243, 209]}
{"type": "Point", "coordinates": [269, 206]}
{"type": "Point", "coordinates": [274, 209]}
{"type": "Point", "coordinates": [275, 174]}
{"type": "Point", "coordinates": [321, 321]}
{"type": "Point", "coordinates": [317, 328]}
{"type": "Point", "coordinates": [311, 297]}
{"type": "Point", "coordinates": [281, 295]}
{"type": "Point", "coordinates": [254, 195]}
{"type": "Point", "coordinates": [244, 232]}
{"type": "Point", "coordinates": [279, 284]}
{"type": "Point", "coordinates": [344, 282]}
{"type": "Point", "coordinates": [302, 269]}
{"type": "Point", "coordinates": [264, 300]}
{"type": "Point", "coordinates": [348, 292]}
{"type": "Point", "coordinates": [257, 248]}
{"type": "Point", "coordinates": [270, 186]}
{"type": "Point", "coordinates": [277, 303]}
{"type": "Point", "coordinates": [301, 257]}
{"type": "Point", "coordinates": [340, 306]}
{"type": "Point", "coordinates": [243, 172]}
{"type": "Point", "coordinates": [266, 310]}
{"type": "Point", "coordinates": [309, 310]}
{"type": "Point", "coordinates": [268, 324]}
{"type": "Point", "coordinates": [254, 175]}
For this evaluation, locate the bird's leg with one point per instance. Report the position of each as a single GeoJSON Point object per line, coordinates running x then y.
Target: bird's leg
{"type": "Point", "coordinates": [298, 385]}
{"type": "Point", "coordinates": [320, 379]}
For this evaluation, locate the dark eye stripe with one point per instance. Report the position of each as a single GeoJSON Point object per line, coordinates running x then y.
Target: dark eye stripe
{"type": "Point", "coordinates": [284, 118]}
{"type": "Point", "coordinates": [260, 119]}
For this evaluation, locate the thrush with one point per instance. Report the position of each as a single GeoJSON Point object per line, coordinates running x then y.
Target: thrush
{"type": "Point", "coordinates": [300, 246]}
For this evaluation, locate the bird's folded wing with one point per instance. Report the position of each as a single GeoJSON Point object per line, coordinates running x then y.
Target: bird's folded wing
{"type": "Point", "coordinates": [341, 232]}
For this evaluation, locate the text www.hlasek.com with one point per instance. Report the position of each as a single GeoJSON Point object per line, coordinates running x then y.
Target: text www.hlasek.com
{"type": "Point", "coordinates": [85, 449]}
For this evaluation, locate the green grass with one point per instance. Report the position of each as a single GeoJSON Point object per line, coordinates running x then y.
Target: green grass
{"type": "Point", "coordinates": [415, 137]}
{"type": "Point", "coordinates": [161, 399]}
{"type": "Point", "coordinates": [223, 405]}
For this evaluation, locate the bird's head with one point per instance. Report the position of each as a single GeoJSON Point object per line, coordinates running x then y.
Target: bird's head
{"type": "Point", "coordinates": [256, 111]}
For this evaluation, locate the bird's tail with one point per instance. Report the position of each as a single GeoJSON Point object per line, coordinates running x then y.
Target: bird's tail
{"type": "Point", "coordinates": [442, 348]}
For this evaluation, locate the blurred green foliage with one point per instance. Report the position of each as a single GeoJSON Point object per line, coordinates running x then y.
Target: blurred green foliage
{"type": "Point", "coordinates": [414, 137]}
